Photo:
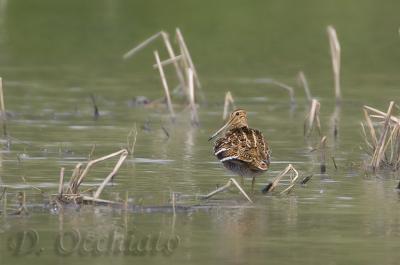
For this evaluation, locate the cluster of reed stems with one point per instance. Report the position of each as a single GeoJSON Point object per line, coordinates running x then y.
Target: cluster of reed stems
{"type": "Point", "coordinates": [289, 171]}
{"type": "Point", "coordinates": [72, 193]}
{"type": "Point", "coordinates": [312, 120]}
{"type": "Point", "coordinates": [381, 131]}
{"type": "Point", "coordinates": [184, 68]}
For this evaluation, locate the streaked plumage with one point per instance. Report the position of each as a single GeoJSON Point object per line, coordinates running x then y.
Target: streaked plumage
{"type": "Point", "coordinates": [242, 150]}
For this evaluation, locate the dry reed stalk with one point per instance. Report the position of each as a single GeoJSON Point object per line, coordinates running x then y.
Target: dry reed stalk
{"type": "Point", "coordinates": [322, 148]}
{"type": "Point", "coordinates": [123, 154]}
{"type": "Point", "coordinates": [142, 45]}
{"type": "Point", "coordinates": [371, 128]}
{"type": "Point", "coordinates": [394, 142]}
{"type": "Point", "coordinates": [385, 148]}
{"type": "Point", "coordinates": [89, 199]}
{"type": "Point", "coordinates": [169, 61]}
{"type": "Point", "coordinates": [131, 140]}
{"type": "Point", "coordinates": [380, 147]}
{"type": "Point", "coordinates": [381, 113]}
{"type": "Point", "coordinates": [61, 183]}
{"type": "Point", "coordinates": [228, 102]}
{"type": "Point", "coordinates": [289, 89]}
{"type": "Point", "coordinates": [226, 186]}
{"type": "Point", "coordinates": [303, 81]}
{"type": "Point", "coordinates": [165, 84]}
{"type": "Point", "coordinates": [186, 55]}
{"type": "Point", "coordinates": [312, 119]}
{"type": "Point", "coordinates": [171, 53]}
{"type": "Point", "coordinates": [3, 109]}
{"type": "Point", "coordinates": [335, 55]}
{"type": "Point", "coordinates": [78, 175]}
{"type": "Point", "coordinates": [365, 136]}
{"type": "Point", "coordinates": [192, 104]}
{"type": "Point", "coordinates": [293, 177]}
{"type": "Point", "coordinates": [74, 178]}
{"type": "Point", "coordinates": [173, 203]}
{"type": "Point", "coordinates": [91, 152]}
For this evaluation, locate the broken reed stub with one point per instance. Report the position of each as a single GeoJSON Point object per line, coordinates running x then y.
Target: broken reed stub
{"type": "Point", "coordinates": [335, 56]}
{"type": "Point", "coordinates": [305, 180]}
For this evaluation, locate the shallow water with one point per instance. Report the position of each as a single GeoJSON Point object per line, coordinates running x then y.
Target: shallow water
{"type": "Point", "coordinates": [54, 55]}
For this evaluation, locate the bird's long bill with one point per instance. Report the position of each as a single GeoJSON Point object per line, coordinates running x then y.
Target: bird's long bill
{"type": "Point", "coordinates": [220, 130]}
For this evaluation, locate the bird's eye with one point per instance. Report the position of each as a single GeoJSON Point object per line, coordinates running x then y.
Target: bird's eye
{"type": "Point", "coordinates": [237, 113]}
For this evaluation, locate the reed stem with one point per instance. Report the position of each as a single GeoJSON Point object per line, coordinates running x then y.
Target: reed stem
{"type": "Point", "coordinates": [187, 56]}
{"type": "Point", "coordinates": [171, 53]}
{"type": "Point", "coordinates": [165, 85]}
{"type": "Point", "coordinates": [195, 117]}
{"type": "Point", "coordinates": [3, 109]}
{"type": "Point", "coordinates": [335, 56]}
{"type": "Point", "coordinates": [61, 183]}
{"type": "Point", "coordinates": [303, 81]}
{"type": "Point", "coordinates": [142, 45]}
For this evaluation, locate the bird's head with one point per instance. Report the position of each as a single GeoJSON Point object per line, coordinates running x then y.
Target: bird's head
{"type": "Point", "coordinates": [237, 119]}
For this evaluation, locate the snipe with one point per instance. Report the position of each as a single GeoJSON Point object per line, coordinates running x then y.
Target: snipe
{"type": "Point", "coordinates": [242, 150]}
